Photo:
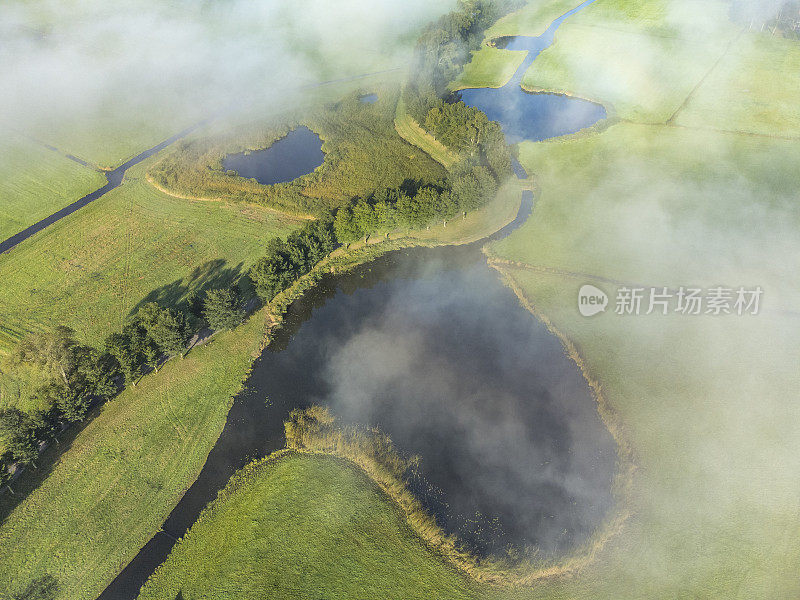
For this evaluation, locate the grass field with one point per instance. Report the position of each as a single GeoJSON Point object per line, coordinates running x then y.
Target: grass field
{"type": "Point", "coordinates": [753, 90]}
{"type": "Point", "coordinates": [669, 207]}
{"type": "Point", "coordinates": [303, 527]}
{"type": "Point", "coordinates": [108, 257]}
{"type": "Point", "coordinates": [642, 58]}
{"type": "Point", "coordinates": [645, 78]}
{"type": "Point", "coordinates": [36, 182]}
{"type": "Point", "coordinates": [90, 270]}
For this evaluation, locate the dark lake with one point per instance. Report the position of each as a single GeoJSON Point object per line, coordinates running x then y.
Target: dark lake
{"type": "Point", "coordinates": [293, 156]}
{"type": "Point", "coordinates": [432, 348]}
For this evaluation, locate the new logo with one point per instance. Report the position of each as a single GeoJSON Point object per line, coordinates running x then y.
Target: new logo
{"type": "Point", "coordinates": [591, 300]}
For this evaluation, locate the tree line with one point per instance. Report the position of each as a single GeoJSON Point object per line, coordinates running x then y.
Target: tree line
{"type": "Point", "coordinates": [78, 376]}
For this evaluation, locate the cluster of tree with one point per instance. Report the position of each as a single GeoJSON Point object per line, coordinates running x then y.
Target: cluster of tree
{"type": "Point", "coordinates": [78, 376]}
{"type": "Point", "coordinates": [444, 48]}
{"type": "Point", "coordinates": [415, 207]}
{"type": "Point", "coordinates": [286, 261]}
{"type": "Point", "coordinates": [468, 131]}
{"type": "Point", "coordinates": [777, 16]}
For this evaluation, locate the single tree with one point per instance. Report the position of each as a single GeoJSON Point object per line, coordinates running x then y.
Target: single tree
{"type": "Point", "coordinates": [222, 308]}
{"type": "Point", "coordinates": [118, 345]}
{"type": "Point", "coordinates": [17, 429]}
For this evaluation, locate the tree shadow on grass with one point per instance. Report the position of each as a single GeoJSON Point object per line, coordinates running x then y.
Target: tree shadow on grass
{"type": "Point", "coordinates": [213, 274]}
{"type": "Point", "coordinates": [41, 588]}
{"type": "Point", "coordinates": [32, 477]}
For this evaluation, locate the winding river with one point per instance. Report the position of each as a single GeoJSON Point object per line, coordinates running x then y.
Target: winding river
{"type": "Point", "coordinates": [431, 347]}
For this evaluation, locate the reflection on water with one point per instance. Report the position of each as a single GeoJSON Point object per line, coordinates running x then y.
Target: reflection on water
{"type": "Point", "coordinates": [432, 348]}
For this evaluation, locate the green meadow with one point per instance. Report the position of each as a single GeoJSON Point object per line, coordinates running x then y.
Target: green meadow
{"type": "Point", "coordinates": [36, 182]}
{"type": "Point", "coordinates": [103, 491]}
{"type": "Point", "coordinates": [303, 526]}
{"type": "Point", "coordinates": [133, 243]}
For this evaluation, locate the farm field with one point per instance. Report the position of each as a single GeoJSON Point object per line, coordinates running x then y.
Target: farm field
{"type": "Point", "coordinates": [36, 182]}
{"type": "Point", "coordinates": [759, 76]}
{"type": "Point", "coordinates": [133, 244]}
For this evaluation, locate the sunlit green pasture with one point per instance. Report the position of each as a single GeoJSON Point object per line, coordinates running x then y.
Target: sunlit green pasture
{"type": "Point", "coordinates": [36, 182]}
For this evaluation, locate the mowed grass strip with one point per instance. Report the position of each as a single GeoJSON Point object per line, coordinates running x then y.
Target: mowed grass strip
{"type": "Point", "coordinates": [36, 182]}
{"type": "Point", "coordinates": [303, 526]}
{"type": "Point", "coordinates": [85, 516]}
{"type": "Point", "coordinates": [411, 131]}
{"type": "Point", "coordinates": [89, 270]}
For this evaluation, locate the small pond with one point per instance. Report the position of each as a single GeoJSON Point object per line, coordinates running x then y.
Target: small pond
{"type": "Point", "coordinates": [293, 156]}
{"type": "Point", "coordinates": [369, 98]}
{"type": "Point", "coordinates": [532, 116]}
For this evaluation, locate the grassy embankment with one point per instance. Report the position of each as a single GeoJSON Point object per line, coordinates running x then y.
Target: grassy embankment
{"type": "Point", "coordinates": [707, 403]}
{"type": "Point", "coordinates": [36, 182]}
